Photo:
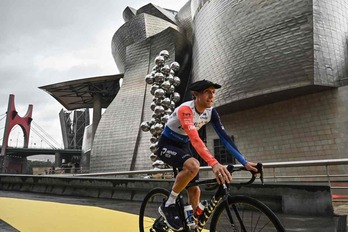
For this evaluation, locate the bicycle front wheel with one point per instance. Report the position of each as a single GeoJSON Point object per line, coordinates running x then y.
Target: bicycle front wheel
{"type": "Point", "coordinates": [244, 214]}
{"type": "Point", "coordinates": [149, 218]}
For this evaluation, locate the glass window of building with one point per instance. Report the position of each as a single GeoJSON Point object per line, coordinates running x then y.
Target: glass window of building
{"type": "Point", "coordinates": [221, 154]}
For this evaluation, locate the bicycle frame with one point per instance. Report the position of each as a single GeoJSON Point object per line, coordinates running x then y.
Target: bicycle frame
{"type": "Point", "coordinates": [209, 208]}
{"type": "Point", "coordinates": [220, 196]}
{"type": "Point", "coordinates": [222, 192]}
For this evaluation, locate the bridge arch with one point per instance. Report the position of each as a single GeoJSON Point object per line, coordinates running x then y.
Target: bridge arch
{"type": "Point", "coordinates": [10, 163]}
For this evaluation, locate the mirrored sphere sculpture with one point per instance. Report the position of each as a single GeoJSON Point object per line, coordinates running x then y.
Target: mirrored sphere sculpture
{"type": "Point", "coordinates": [159, 60]}
{"type": "Point", "coordinates": [175, 66]}
{"type": "Point", "coordinates": [163, 82]}
{"type": "Point", "coordinates": [165, 54]}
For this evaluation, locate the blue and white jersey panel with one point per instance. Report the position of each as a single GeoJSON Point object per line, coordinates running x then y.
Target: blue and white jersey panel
{"type": "Point", "coordinates": [173, 129]}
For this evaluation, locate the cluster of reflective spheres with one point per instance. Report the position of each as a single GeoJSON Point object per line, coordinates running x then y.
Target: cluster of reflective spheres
{"type": "Point", "coordinates": [163, 81]}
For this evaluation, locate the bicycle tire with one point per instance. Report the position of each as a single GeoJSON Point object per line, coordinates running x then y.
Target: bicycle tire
{"type": "Point", "coordinates": [255, 216]}
{"type": "Point", "coordinates": [149, 218]}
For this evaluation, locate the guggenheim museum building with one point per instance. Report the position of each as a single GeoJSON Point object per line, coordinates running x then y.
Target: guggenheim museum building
{"type": "Point", "coordinates": [282, 66]}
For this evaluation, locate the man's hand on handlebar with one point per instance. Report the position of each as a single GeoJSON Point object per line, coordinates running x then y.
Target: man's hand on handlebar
{"type": "Point", "coordinates": [251, 167]}
{"type": "Point", "coordinates": [222, 174]}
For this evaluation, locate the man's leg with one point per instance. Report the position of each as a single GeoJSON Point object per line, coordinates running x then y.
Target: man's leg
{"type": "Point", "coordinates": [169, 210]}
{"type": "Point", "coordinates": [189, 170]}
{"type": "Point", "coordinates": [194, 194]}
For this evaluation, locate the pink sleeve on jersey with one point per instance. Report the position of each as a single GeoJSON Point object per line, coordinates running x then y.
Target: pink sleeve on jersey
{"type": "Point", "coordinates": [185, 116]}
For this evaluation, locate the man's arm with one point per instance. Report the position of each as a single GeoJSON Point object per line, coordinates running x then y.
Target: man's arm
{"type": "Point", "coordinates": [185, 116]}
{"type": "Point", "coordinates": [226, 140]}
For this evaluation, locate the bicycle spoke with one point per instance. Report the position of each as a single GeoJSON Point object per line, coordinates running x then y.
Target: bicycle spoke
{"type": "Point", "coordinates": [254, 220]}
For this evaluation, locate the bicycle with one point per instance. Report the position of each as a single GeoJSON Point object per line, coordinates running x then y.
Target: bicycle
{"type": "Point", "coordinates": [229, 213]}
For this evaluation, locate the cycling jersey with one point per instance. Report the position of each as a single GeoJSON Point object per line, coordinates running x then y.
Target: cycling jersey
{"type": "Point", "coordinates": [184, 123]}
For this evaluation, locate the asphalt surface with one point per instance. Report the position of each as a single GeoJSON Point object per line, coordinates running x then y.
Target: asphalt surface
{"type": "Point", "coordinates": [31, 212]}
{"type": "Point", "coordinates": [291, 222]}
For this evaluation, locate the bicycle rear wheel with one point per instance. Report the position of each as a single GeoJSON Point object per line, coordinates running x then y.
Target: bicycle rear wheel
{"type": "Point", "coordinates": [248, 214]}
{"type": "Point", "coordinates": [149, 218]}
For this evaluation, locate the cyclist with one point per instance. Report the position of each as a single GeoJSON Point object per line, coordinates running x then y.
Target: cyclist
{"type": "Point", "coordinates": [173, 148]}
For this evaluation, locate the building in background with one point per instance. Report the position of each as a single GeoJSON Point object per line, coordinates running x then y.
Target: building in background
{"type": "Point", "coordinates": [73, 125]}
{"type": "Point", "coordinates": [282, 66]}
{"type": "Point", "coordinates": [119, 143]}
{"type": "Point", "coordinates": [93, 93]}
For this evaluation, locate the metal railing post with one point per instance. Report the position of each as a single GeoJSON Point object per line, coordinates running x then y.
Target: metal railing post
{"type": "Point", "coordinates": [328, 174]}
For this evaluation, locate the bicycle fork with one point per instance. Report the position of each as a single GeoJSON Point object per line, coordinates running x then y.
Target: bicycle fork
{"type": "Point", "coordinates": [229, 213]}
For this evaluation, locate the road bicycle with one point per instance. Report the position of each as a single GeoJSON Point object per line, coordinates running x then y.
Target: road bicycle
{"type": "Point", "coordinates": [229, 213]}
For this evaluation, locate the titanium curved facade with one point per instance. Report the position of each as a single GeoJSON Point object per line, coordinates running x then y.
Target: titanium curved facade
{"type": "Point", "coordinates": [139, 28]}
{"type": "Point", "coordinates": [257, 49]}
{"type": "Point", "coordinates": [119, 144]}
{"type": "Point", "coordinates": [283, 67]}
{"type": "Point", "coordinates": [282, 64]}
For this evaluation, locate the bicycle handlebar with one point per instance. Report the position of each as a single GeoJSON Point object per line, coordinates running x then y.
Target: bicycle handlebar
{"type": "Point", "coordinates": [232, 169]}
{"type": "Point", "coordinates": [259, 167]}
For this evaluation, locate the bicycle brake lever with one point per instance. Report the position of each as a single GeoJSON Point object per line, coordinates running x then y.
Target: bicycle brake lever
{"type": "Point", "coordinates": [260, 170]}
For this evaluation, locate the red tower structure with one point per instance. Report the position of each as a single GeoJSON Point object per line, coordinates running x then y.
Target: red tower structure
{"type": "Point", "coordinates": [15, 164]}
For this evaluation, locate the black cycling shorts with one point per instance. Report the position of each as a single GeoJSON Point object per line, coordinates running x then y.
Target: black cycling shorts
{"type": "Point", "coordinates": [174, 153]}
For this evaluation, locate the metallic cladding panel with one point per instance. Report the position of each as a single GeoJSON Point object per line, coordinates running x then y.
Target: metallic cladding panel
{"type": "Point", "coordinates": [129, 13]}
{"type": "Point", "coordinates": [137, 29]}
{"type": "Point", "coordinates": [330, 20]}
{"type": "Point", "coordinates": [116, 135]}
{"type": "Point", "coordinates": [184, 19]}
{"type": "Point", "coordinates": [253, 47]}
{"type": "Point", "coordinates": [158, 12]}
{"type": "Point", "coordinates": [258, 48]}
{"type": "Point", "coordinates": [125, 36]}
{"type": "Point", "coordinates": [119, 144]}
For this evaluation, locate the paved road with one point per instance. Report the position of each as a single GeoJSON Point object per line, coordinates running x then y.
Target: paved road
{"type": "Point", "coordinates": [30, 212]}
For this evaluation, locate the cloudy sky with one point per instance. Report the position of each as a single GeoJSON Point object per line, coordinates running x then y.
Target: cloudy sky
{"type": "Point", "coordinates": [44, 42]}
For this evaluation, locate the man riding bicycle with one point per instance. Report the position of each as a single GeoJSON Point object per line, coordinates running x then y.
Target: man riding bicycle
{"type": "Point", "coordinates": [173, 148]}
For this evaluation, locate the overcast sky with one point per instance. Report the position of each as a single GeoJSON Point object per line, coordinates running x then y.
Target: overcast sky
{"type": "Point", "coordinates": [44, 42]}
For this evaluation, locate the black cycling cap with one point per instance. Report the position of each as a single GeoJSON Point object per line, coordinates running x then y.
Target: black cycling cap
{"type": "Point", "coordinates": [202, 85]}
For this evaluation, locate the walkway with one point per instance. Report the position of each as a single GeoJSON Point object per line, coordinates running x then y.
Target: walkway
{"type": "Point", "coordinates": [39, 214]}
{"type": "Point", "coordinates": [30, 212]}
